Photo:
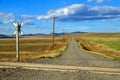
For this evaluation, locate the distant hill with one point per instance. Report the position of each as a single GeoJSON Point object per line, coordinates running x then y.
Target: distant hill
{"type": "Point", "coordinates": [57, 34]}
{"type": "Point", "coordinates": [4, 36]}
{"type": "Point", "coordinates": [38, 34]}
{"type": "Point", "coordinates": [77, 32]}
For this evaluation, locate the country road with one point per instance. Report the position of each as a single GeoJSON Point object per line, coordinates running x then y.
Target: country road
{"type": "Point", "coordinates": [74, 56]}
{"type": "Point", "coordinates": [74, 64]}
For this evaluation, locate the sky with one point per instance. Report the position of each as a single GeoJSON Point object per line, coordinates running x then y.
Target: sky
{"type": "Point", "coordinates": [71, 15]}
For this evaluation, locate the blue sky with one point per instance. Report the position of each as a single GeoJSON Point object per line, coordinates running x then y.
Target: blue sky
{"type": "Point", "coordinates": [72, 15]}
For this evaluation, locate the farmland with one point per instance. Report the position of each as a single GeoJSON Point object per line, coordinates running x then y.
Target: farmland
{"type": "Point", "coordinates": [105, 44]}
{"type": "Point", "coordinates": [113, 43]}
{"type": "Point", "coordinates": [31, 48]}
{"type": "Point", "coordinates": [74, 63]}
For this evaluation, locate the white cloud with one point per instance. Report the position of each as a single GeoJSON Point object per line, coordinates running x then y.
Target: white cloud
{"type": "Point", "coordinates": [80, 12]}
{"type": "Point", "coordinates": [89, 0]}
{"type": "Point", "coordinates": [6, 18]}
{"type": "Point", "coordinates": [28, 22]}
{"type": "Point", "coordinates": [27, 17]}
{"type": "Point", "coordinates": [98, 1]}
{"type": "Point", "coordinates": [6, 15]}
{"type": "Point", "coordinates": [6, 21]}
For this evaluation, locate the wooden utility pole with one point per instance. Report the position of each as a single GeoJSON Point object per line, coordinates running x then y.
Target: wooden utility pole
{"type": "Point", "coordinates": [53, 30]}
{"type": "Point", "coordinates": [63, 33]}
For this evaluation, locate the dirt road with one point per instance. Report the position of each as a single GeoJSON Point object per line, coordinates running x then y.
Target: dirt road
{"type": "Point", "coordinates": [74, 57]}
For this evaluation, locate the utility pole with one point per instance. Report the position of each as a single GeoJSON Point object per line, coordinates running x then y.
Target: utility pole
{"type": "Point", "coordinates": [17, 31]}
{"type": "Point", "coordinates": [53, 30]}
{"type": "Point", "coordinates": [63, 33]}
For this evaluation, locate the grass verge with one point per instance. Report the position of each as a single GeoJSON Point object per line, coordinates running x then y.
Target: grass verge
{"type": "Point", "coordinates": [99, 49]}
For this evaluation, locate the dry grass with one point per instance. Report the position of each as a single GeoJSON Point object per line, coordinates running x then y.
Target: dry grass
{"type": "Point", "coordinates": [102, 44]}
{"type": "Point", "coordinates": [31, 48]}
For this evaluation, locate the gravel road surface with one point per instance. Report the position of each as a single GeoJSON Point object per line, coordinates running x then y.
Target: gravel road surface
{"type": "Point", "coordinates": [73, 56]}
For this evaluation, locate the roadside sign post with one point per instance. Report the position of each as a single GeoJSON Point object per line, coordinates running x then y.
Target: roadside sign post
{"type": "Point", "coordinates": [17, 31]}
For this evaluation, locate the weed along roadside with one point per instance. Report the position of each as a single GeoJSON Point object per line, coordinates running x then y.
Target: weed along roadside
{"type": "Point", "coordinates": [54, 53]}
{"type": "Point", "coordinates": [97, 48]}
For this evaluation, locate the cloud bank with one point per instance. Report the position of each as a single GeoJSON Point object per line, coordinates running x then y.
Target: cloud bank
{"type": "Point", "coordinates": [6, 18]}
{"type": "Point", "coordinates": [75, 12]}
{"type": "Point", "coordinates": [98, 1]}
{"type": "Point", "coordinates": [81, 12]}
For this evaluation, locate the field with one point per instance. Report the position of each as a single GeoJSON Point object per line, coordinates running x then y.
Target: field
{"type": "Point", "coordinates": [105, 44]}
{"type": "Point", "coordinates": [31, 48]}
{"type": "Point", "coordinates": [113, 43]}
